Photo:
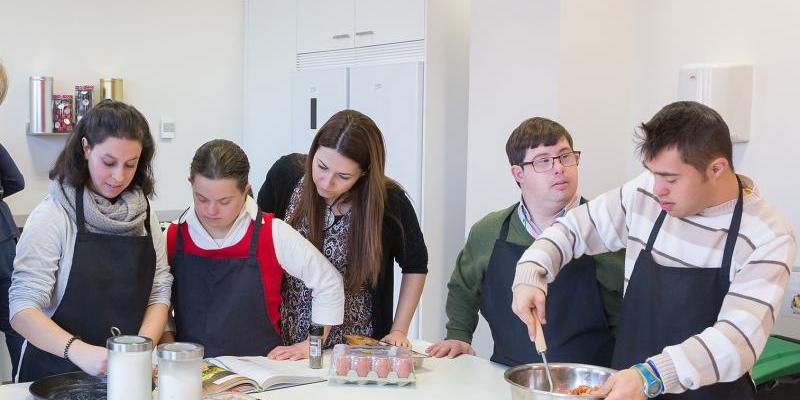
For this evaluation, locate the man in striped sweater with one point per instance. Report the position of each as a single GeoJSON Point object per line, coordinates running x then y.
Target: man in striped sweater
{"type": "Point", "coordinates": [707, 262]}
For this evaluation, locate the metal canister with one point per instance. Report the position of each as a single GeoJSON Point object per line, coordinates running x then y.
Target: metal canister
{"type": "Point", "coordinates": [41, 103]}
{"type": "Point", "coordinates": [62, 113]}
{"type": "Point", "coordinates": [83, 100]}
{"type": "Point", "coordinates": [111, 88]}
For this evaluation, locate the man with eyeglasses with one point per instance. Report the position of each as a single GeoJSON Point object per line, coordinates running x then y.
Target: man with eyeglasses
{"type": "Point", "coordinates": [545, 167]}
{"type": "Point", "coordinates": [708, 261]}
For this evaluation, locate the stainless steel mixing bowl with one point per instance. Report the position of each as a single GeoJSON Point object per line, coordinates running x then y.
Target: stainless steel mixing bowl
{"type": "Point", "coordinates": [529, 382]}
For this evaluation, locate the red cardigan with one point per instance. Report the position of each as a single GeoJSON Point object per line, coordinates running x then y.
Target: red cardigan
{"type": "Point", "coordinates": [271, 270]}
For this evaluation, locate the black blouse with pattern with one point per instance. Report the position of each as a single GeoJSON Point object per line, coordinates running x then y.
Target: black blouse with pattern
{"type": "Point", "coordinates": [402, 242]}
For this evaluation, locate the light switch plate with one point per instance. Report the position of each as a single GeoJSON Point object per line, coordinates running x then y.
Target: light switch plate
{"type": "Point", "coordinates": [167, 128]}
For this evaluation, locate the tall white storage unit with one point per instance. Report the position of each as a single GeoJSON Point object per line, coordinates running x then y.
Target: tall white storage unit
{"type": "Point", "coordinates": [392, 96]}
{"type": "Point", "coordinates": [316, 96]}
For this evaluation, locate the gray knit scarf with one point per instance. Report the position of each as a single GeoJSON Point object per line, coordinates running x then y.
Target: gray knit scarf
{"type": "Point", "coordinates": [122, 217]}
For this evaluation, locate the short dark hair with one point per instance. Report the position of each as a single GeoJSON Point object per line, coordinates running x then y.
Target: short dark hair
{"type": "Point", "coordinates": [107, 119]}
{"type": "Point", "coordinates": [221, 159]}
{"type": "Point", "coordinates": [697, 131]}
{"type": "Point", "coordinates": [532, 133]}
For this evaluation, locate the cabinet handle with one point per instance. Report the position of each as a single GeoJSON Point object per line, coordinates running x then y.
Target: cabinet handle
{"type": "Point", "coordinates": [342, 36]}
{"type": "Point", "coordinates": [313, 110]}
{"type": "Point", "coordinates": [363, 33]}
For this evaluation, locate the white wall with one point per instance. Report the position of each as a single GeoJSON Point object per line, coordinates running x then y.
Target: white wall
{"type": "Point", "coordinates": [596, 87]}
{"type": "Point", "coordinates": [178, 59]}
{"type": "Point", "coordinates": [269, 60]}
{"type": "Point", "coordinates": [445, 152]}
{"type": "Point", "coordinates": [513, 75]}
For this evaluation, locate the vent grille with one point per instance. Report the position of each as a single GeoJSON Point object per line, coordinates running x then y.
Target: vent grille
{"type": "Point", "coordinates": [391, 53]}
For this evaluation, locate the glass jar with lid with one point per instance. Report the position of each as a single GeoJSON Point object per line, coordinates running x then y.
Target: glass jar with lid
{"type": "Point", "coordinates": [179, 371]}
{"type": "Point", "coordinates": [130, 367]}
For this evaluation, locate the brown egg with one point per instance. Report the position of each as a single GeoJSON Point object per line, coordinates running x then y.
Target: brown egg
{"type": "Point", "coordinates": [342, 364]}
{"type": "Point", "coordinates": [383, 366]}
{"type": "Point", "coordinates": [363, 366]}
{"type": "Point", "coordinates": [403, 367]}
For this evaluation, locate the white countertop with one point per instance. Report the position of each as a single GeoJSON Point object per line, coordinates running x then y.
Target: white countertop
{"type": "Point", "coordinates": [462, 378]}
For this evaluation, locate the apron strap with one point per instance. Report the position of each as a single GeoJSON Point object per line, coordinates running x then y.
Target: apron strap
{"type": "Point", "coordinates": [654, 232]}
{"type": "Point", "coordinates": [256, 232]}
{"type": "Point", "coordinates": [504, 229]}
{"type": "Point", "coordinates": [80, 219]}
{"type": "Point", "coordinates": [147, 218]}
{"type": "Point", "coordinates": [179, 237]}
{"type": "Point", "coordinates": [733, 231]}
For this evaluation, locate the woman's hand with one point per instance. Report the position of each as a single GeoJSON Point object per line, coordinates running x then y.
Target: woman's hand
{"type": "Point", "coordinates": [397, 338]}
{"type": "Point", "coordinates": [91, 359]}
{"type": "Point", "coordinates": [297, 351]}
{"type": "Point", "coordinates": [450, 348]}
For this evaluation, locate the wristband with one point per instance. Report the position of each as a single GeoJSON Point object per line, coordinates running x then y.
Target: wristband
{"type": "Point", "coordinates": [653, 386]}
{"type": "Point", "coordinates": [66, 348]}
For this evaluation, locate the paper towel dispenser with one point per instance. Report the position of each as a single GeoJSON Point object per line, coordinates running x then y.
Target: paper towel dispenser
{"type": "Point", "coordinates": [727, 88]}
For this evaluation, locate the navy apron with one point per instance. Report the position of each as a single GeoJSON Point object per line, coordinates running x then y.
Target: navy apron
{"type": "Point", "coordinates": [576, 331]}
{"type": "Point", "coordinates": [664, 306]}
{"type": "Point", "coordinates": [109, 285]}
{"type": "Point", "coordinates": [219, 302]}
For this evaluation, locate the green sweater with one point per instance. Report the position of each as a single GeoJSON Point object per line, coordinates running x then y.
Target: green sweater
{"type": "Point", "coordinates": [464, 288]}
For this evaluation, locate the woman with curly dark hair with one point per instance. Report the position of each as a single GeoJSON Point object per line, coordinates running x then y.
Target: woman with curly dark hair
{"type": "Point", "coordinates": [92, 255]}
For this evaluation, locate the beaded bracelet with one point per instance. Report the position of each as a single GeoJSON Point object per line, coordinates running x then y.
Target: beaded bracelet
{"type": "Point", "coordinates": [66, 348]}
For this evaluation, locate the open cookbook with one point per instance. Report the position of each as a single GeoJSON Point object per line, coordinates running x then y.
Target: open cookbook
{"type": "Point", "coordinates": [254, 374]}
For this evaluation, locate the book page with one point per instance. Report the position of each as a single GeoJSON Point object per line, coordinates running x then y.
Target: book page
{"type": "Point", "coordinates": [270, 374]}
{"type": "Point", "coordinates": [217, 379]}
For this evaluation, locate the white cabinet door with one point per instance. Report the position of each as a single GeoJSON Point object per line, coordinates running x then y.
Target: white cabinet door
{"type": "Point", "coordinates": [388, 21]}
{"type": "Point", "coordinates": [324, 25]}
{"type": "Point", "coordinates": [316, 96]}
{"type": "Point", "coordinates": [392, 96]}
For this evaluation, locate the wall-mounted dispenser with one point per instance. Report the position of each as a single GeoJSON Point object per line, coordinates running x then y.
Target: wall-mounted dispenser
{"type": "Point", "coordinates": [727, 88]}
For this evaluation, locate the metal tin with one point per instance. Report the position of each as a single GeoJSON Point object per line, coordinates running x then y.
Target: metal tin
{"type": "Point", "coordinates": [62, 113]}
{"type": "Point", "coordinates": [111, 88]}
{"type": "Point", "coordinates": [129, 344]}
{"type": "Point", "coordinates": [179, 351]}
{"type": "Point", "coordinates": [83, 100]}
{"type": "Point", "coordinates": [41, 102]}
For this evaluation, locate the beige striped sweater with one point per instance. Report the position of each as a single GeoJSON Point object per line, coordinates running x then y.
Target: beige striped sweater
{"type": "Point", "coordinates": [624, 217]}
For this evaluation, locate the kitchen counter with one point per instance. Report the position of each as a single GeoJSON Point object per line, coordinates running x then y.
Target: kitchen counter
{"type": "Point", "coordinates": [463, 378]}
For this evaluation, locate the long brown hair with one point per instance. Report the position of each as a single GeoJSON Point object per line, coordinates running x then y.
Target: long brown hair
{"type": "Point", "coordinates": [355, 136]}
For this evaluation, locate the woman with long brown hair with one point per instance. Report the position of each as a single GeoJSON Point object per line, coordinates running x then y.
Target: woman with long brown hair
{"type": "Point", "coordinates": [340, 199]}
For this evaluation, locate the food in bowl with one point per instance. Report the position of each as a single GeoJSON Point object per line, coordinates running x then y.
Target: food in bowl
{"type": "Point", "coordinates": [583, 390]}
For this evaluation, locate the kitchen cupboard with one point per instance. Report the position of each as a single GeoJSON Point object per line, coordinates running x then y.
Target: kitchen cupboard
{"type": "Point", "coordinates": [341, 24]}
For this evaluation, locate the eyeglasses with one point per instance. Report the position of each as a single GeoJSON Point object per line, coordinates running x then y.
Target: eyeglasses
{"type": "Point", "coordinates": [544, 164]}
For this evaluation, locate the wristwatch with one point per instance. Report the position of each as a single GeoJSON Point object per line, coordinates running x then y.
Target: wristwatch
{"type": "Point", "coordinates": [653, 386]}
